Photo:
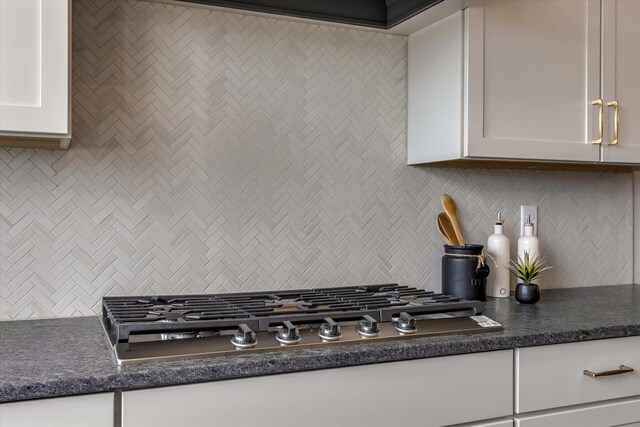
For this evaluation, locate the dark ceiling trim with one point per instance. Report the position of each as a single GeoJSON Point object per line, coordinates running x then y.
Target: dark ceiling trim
{"type": "Point", "coordinates": [399, 11]}
{"type": "Point", "coordinates": [367, 13]}
{"type": "Point", "coordinates": [382, 14]}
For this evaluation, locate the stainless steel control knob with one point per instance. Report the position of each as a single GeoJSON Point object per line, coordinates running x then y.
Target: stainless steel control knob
{"type": "Point", "coordinates": [368, 327]}
{"type": "Point", "coordinates": [330, 330]}
{"type": "Point", "coordinates": [288, 334]}
{"type": "Point", "coordinates": [406, 324]}
{"type": "Point", "coordinates": [244, 337]}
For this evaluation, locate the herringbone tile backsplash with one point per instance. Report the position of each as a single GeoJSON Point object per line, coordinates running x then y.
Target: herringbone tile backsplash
{"type": "Point", "coordinates": [218, 152]}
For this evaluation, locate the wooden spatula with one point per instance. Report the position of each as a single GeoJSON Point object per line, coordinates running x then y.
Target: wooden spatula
{"type": "Point", "coordinates": [441, 231]}
{"type": "Point", "coordinates": [446, 230]}
{"type": "Point", "coordinates": [450, 208]}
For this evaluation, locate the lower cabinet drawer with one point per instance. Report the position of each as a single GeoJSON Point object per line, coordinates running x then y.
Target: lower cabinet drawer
{"type": "Point", "coordinates": [95, 410]}
{"type": "Point", "coordinates": [425, 392]}
{"type": "Point", "coordinates": [552, 376]}
{"type": "Point", "coordinates": [495, 423]}
{"type": "Point", "coordinates": [620, 413]}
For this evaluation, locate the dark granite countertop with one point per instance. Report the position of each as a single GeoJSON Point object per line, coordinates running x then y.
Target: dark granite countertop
{"type": "Point", "coordinates": [60, 357]}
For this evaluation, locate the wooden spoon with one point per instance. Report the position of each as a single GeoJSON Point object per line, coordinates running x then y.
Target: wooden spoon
{"type": "Point", "coordinates": [446, 230]}
{"type": "Point", "coordinates": [450, 208]}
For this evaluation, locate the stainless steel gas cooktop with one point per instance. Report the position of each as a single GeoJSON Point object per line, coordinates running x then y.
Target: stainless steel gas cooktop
{"type": "Point", "coordinates": [145, 329]}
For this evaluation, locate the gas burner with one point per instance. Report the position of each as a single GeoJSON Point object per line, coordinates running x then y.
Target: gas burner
{"type": "Point", "coordinates": [161, 308]}
{"type": "Point", "coordinates": [280, 305]}
{"type": "Point", "coordinates": [162, 305]}
{"type": "Point", "coordinates": [166, 316]}
{"type": "Point", "coordinates": [393, 296]}
{"type": "Point", "coordinates": [157, 301]}
{"type": "Point", "coordinates": [416, 301]}
{"type": "Point", "coordinates": [377, 289]}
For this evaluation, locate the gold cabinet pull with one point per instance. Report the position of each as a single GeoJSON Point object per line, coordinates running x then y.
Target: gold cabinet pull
{"type": "Point", "coordinates": [600, 105]}
{"type": "Point", "coordinates": [621, 370]}
{"type": "Point", "coordinates": [614, 104]}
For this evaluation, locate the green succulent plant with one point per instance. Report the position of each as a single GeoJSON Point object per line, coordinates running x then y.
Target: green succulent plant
{"type": "Point", "coordinates": [528, 268]}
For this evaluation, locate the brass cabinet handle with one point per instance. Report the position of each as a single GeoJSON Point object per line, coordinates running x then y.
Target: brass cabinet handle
{"type": "Point", "coordinates": [600, 104]}
{"type": "Point", "coordinates": [621, 370]}
{"type": "Point", "coordinates": [614, 104]}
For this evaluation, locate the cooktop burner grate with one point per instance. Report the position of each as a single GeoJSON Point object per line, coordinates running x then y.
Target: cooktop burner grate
{"type": "Point", "coordinates": [124, 316]}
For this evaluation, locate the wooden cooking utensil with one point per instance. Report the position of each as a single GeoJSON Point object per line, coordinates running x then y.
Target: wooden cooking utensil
{"type": "Point", "coordinates": [450, 208]}
{"type": "Point", "coordinates": [443, 236]}
{"type": "Point", "coordinates": [446, 230]}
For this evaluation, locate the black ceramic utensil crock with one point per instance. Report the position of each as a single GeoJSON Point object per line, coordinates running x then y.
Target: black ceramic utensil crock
{"type": "Point", "coordinates": [463, 276]}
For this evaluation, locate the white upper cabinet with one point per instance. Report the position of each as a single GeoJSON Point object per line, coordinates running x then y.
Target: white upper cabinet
{"type": "Point", "coordinates": [621, 79]}
{"type": "Point", "coordinates": [517, 80]}
{"type": "Point", "coordinates": [34, 68]}
{"type": "Point", "coordinates": [533, 68]}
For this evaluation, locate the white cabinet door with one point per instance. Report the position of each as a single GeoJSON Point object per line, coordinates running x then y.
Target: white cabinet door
{"type": "Point", "coordinates": [34, 67]}
{"type": "Point", "coordinates": [426, 392]}
{"type": "Point", "coordinates": [621, 74]}
{"type": "Point", "coordinates": [95, 410]}
{"type": "Point", "coordinates": [621, 413]}
{"type": "Point", "coordinates": [533, 68]}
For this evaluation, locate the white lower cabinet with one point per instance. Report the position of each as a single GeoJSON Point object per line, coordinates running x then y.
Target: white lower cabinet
{"type": "Point", "coordinates": [426, 392]}
{"type": "Point", "coordinates": [553, 376]}
{"type": "Point", "coordinates": [621, 413]}
{"type": "Point", "coordinates": [507, 422]}
{"type": "Point", "coordinates": [95, 410]}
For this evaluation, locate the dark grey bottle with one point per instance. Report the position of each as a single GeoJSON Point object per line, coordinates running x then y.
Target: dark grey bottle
{"type": "Point", "coordinates": [462, 277]}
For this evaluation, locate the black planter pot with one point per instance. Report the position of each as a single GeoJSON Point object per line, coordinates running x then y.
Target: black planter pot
{"type": "Point", "coordinates": [527, 294]}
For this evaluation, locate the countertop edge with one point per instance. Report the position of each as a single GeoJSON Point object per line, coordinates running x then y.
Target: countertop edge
{"type": "Point", "coordinates": [272, 363]}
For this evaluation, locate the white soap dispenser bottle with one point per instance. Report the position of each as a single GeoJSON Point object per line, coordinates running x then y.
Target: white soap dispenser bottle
{"type": "Point", "coordinates": [499, 248]}
{"type": "Point", "coordinates": [528, 242]}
